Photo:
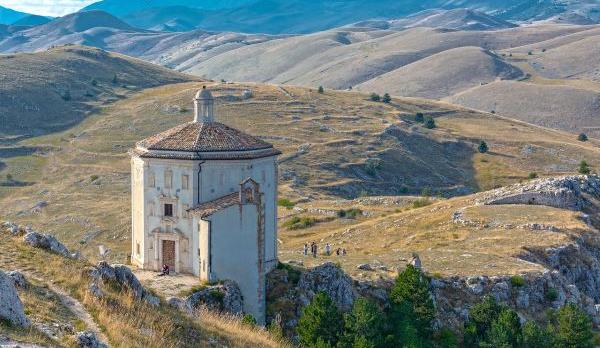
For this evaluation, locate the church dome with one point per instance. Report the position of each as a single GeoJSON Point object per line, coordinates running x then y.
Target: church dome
{"type": "Point", "coordinates": [204, 138]}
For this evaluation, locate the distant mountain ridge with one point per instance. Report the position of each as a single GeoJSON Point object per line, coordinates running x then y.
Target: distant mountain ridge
{"type": "Point", "coordinates": [9, 16]}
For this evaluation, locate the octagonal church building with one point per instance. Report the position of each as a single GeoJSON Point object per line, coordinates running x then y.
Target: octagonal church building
{"type": "Point", "coordinates": [204, 202]}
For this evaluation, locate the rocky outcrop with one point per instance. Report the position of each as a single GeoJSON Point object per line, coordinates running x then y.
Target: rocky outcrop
{"type": "Point", "coordinates": [123, 277]}
{"type": "Point", "coordinates": [569, 192]}
{"type": "Point", "coordinates": [46, 242]}
{"type": "Point", "coordinates": [330, 279]}
{"type": "Point", "coordinates": [225, 297]}
{"type": "Point", "coordinates": [88, 339]}
{"type": "Point", "coordinates": [18, 279]}
{"type": "Point", "coordinates": [11, 307]}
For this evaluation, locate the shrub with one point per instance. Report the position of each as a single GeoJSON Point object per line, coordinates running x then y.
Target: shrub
{"type": "Point", "coordinates": [94, 82]}
{"type": "Point", "coordinates": [483, 147]}
{"type": "Point", "coordinates": [533, 175]}
{"type": "Point", "coordinates": [517, 281]}
{"type": "Point", "coordinates": [536, 337]}
{"type": "Point", "coordinates": [582, 137]}
{"type": "Point", "coordinates": [573, 328]}
{"type": "Point", "coordinates": [375, 97]}
{"type": "Point", "coordinates": [430, 123]}
{"type": "Point", "coordinates": [505, 330]}
{"type": "Point", "coordinates": [372, 165]}
{"type": "Point", "coordinates": [320, 320]}
{"type": "Point", "coordinates": [298, 223]}
{"type": "Point", "coordinates": [386, 98]}
{"type": "Point", "coordinates": [584, 168]}
{"type": "Point", "coordinates": [419, 117]}
{"type": "Point", "coordinates": [551, 294]}
{"type": "Point", "coordinates": [410, 295]}
{"type": "Point", "coordinates": [94, 178]}
{"type": "Point", "coordinates": [9, 177]}
{"type": "Point", "coordinates": [351, 213]}
{"type": "Point", "coordinates": [286, 203]}
{"type": "Point", "coordinates": [420, 203]}
{"type": "Point", "coordinates": [363, 326]}
{"type": "Point", "coordinates": [321, 90]}
{"type": "Point", "coordinates": [530, 53]}
{"type": "Point", "coordinates": [249, 320]}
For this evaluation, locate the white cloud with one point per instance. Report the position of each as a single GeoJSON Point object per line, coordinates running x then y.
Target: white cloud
{"type": "Point", "coordinates": [47, 7]}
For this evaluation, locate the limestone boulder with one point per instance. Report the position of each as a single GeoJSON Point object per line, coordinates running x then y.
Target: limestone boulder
{"type": "Point", "coordinates": [11, 307]}
{"type": "Point", "coordinates": [124, 277]}
{"type": "Point", "coordinates": [225, 297]}
{"type": "Point", "coordinates": [18, 279]}
{"type": "Point", "coordinates": [46, 242]}
{"type": "Point", "coordinates": [330, 279]}
{"type": "Point", "coordinates": [88, 339]}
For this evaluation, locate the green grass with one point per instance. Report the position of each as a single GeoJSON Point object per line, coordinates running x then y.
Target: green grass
{"type": "Point", "coordinates": [298, 223]}
{"type": "Point", "coordinates": [286, 203]}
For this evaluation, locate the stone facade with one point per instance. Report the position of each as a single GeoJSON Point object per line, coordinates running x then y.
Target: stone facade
{"type": "Point", "coordinates": [204, 202]}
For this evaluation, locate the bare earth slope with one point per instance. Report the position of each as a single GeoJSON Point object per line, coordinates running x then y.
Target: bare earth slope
{"type": "Point", "coordinates": [443, 74]}
{"type": "Point", "coordinates": [55, 89]}
{"type": "Point", "coordinates": [555, 106]}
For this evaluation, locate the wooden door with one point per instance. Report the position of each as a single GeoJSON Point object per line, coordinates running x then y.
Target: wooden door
{"type": "Point", "coordinates": [168, 251]}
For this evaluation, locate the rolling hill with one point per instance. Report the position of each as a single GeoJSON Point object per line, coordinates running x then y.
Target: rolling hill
{"type": "Point", "coordinates": [55, 89]}
{"type": "Point", "coordinates": [9, 16]}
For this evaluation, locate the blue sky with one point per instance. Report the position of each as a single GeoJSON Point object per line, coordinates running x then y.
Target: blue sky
{"type": "Point", "coordinates": [47, 7]}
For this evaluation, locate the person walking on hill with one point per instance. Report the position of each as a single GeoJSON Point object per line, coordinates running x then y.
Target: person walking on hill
{"type": "Point", "coordinates": [315, 250]}
{"type": "Point", "coordinates": [305, 249]}
{"type": "Point", "coordinates": [327, 249]}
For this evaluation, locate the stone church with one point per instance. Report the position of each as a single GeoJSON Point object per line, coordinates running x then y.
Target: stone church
{"type": "Point", "coordinates": [204, 202]}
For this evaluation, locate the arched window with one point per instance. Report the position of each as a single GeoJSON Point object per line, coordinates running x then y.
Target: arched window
{"type": "Point", "coordinates": [168, 179]}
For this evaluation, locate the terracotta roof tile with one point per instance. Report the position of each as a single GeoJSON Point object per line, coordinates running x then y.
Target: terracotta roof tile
{"type": "Point", "coordinates": [206, 209]}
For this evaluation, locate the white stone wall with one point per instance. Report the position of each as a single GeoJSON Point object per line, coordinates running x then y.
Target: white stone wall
{"type": "Point", "coordinates": [235, 255]}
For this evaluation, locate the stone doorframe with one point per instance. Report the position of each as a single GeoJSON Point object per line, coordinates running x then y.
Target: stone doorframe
{"type": "Point", "coordinates": [159, 236]}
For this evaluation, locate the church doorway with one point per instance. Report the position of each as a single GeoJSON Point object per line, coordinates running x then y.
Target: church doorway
{"type": "Point", "coordinates": [168, 253]}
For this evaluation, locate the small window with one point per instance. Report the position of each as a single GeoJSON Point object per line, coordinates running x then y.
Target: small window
{"type": "Point", "coordinates": [151, 180]}
{"type": "Point", "coordinates": [137, 248]}
{"type": "Point", "coordinates": [185, 182]}
{"type": "Point", "coordinates": [168, 209]}
{"type": "Point", "coordinates": [168, 179]}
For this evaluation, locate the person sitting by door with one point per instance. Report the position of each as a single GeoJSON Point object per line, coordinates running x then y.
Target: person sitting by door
{"type": "Point", "coordinates": [165, 271]}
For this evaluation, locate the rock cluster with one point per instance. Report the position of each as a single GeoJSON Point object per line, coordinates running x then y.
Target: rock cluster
{"type": "Point", "coordinates": [18, 279]}
{"type": "Point", "coordinates": [11, 307]}
{"type": "Point", "coordinates": [575, 192]}
{"type": "Point", "coordinates": [88, 339]}
{"type": "Point", "coordinates": [330, 279]}
{"type": "Point", "coordinates": [46, 242]}
{"type": "Point", "coordinates": [122, 276]}
{"type": "Point", "coordinates": [225, 297]}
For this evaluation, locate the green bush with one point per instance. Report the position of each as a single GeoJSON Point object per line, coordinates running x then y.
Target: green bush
{"type": "Point", "coordinates": [386, 98]}
{"type": "Point", "coordinates": [505, 330]}
{"type": "Point", "coordinates": [286, 203]}
{"type": "Point", "coordinates": [481, 317]}
{"type": "Point", "coordinates": [584, 168]}
{"type": "Point", "coordinates": [322, 320]}
{"type": "Point", "coordinates": [483, 147]}
{"type": "Point", "coordinates": [419, 117]}
{"type": "Point", "coordinates": [533, 175]}
{"type": "Point", "coordinates": [249, 320]}
{"type": "Point", "coordinates": [517, 281]}
{"type": "Point", "coordinates": [351, 213]}
{"type": "Point", "coordinates": [375, 97]}
{"type": "Point", "coordinates": [573, 328]}
{"type": "Point", "coordinates": [372, 165]}
{"type": "Point", "coordinates": [298, 223]}
{"type": "Point", "coordinates": [93, 178]}
{"type": "Point", "coordinates": [582, 137]}
{"type": "Point", "coordinates": [536, 337]}
{"type": "Point", "coordinates": [363, 326]}
{"type": "Point", "coordinates": [321, 90]}
{"type": "Point", "coordinates": [410, 296]}
{"type": "Point", "coordinates": [420, 203]}
{"type": "Point", "coordinates": [551, 294]}
{"type": "Point", "coordinates": [429, 123]}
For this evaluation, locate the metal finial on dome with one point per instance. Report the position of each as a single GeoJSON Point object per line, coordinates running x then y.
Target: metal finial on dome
{"type": "Point", "coordinates": [204, 105]}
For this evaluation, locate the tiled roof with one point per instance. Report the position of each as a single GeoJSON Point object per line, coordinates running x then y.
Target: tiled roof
{"type": "Point", "coordinates": [206, 209]}
{"type": "Point", "coordinates": [203, 137]}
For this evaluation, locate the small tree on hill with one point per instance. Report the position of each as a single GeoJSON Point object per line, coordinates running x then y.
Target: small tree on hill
{"type": "Point", "coordinates": [536, 337]}
{"type": "Point", "coordinates": [584, 168]}
{"type": "Point", "coordinates": [505, 330]}
{"type": "Point", "coordinates": [483, 147]}
{"type": "Point", "coordinates": [411, 293]}
{"type": "Point", "coordinates": [321, 319]}
{"type": "Point", "coordinates": [573, 328]}
{"type": "Point", "coordinates": [582, 137]}
{"type": "Point", "coordinates": [375, 97]}
{"type": "Point", "coordinates": [419, 117]}
{"type": "Point", "coordinates": [430, 123]}
{"type": "Point", "coordinates": [364, 326]}
{"type": "Point", "coordinates": [321, 90]}
{"type": "Point", "coordinates": [115, 79]}
{"type": "Point", "coordinates": [386, 98]}
{"type": "Point", "coordinates": [481, 317]}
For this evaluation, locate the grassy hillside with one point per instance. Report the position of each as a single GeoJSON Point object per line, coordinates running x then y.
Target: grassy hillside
{"type": "Point", "coordinates": [55, 89]}
{"type": "Point", "coordinates": [336, 145]}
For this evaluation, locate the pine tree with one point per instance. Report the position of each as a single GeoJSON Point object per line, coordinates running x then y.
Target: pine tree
{"type": "Point", "coordinates": [483, 147]}
{"type": "Point", "coordinates": [320, 319]}
{"type": "Point", "coordinates": [536, 337]}
{"type": "Point", "coordinates": [364, 326]}
{"type": "Point", "coordinates": [505, 330]}
{"type": "Point", "coordinates": [582, 137]}
{"type": "Point", "coordinates": [411, 293]}
{"type": "Point", "coordinates": [573, 328]}
{"type": "Point", "coordinates": [386, 98]}
{"type": "Point", "coordinates": [584, 168]}
{"type": "Point", "coordinates": [375, 97]}
{"type": "Point", "coordinates": [419, 117]}
{"type": "Point", "coordinates": [482, 315]}
{"type": "Point", "coordinates": [321, 90]}
{"type": "Point", "coordinates": [430, 123]}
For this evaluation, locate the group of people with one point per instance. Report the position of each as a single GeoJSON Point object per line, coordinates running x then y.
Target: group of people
{"type": "Point", "coordinates": [314, 248]}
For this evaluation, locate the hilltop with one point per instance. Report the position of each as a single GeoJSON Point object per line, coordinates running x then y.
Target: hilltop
{"type": "Point", "coordinates": [55, 89]}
